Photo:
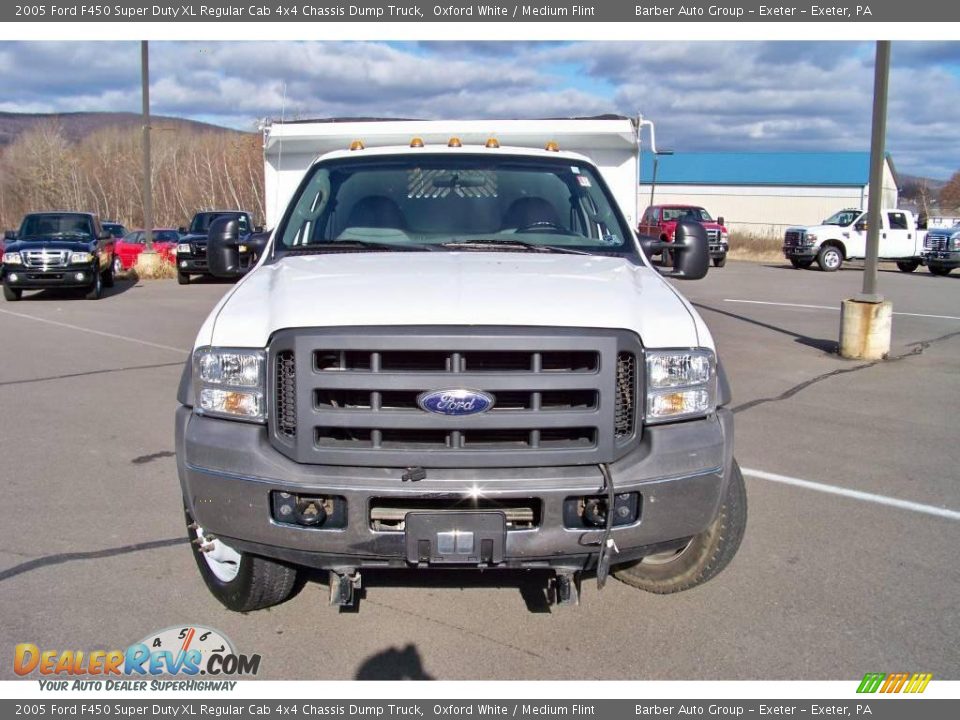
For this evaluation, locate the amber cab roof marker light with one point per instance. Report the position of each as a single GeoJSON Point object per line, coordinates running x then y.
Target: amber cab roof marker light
{"type": "Point", "coordinates": [454, 142]}
{"type": "Point", "coordinates": [357, 145]}
{"type": "Point", "coordinates": [493, 143]}
{"type": "Point", "coordinates": [552, 146]}
{"type": "Point", "coordinates": [416, 142]}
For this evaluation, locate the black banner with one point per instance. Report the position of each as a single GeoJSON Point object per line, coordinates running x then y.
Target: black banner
{"type": "Point", "coordinates": [460, 11]}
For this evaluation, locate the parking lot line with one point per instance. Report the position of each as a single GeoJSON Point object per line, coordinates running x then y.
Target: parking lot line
{"type": "Point", "coordinates": [834, 309]}
{"type": "Point", "coordinates": [855, 494]}
{"type": "Point", "coordinates": [96, 332]}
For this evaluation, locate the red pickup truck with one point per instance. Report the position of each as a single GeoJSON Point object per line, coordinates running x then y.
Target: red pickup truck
{"type": "Point", "coordinates": [660, 221]}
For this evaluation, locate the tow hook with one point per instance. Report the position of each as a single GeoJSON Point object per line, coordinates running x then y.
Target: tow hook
{"type": "Point", "coordinates": [343, 584]}
{"type": "Point", "coordinates": [565, 588]}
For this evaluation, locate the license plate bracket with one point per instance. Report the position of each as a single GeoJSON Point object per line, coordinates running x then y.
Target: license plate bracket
{"type": "Point", "coordinates": [455, 538]}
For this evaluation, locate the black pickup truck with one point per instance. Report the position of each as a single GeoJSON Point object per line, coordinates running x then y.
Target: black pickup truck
{"type": "Point", "coordinates": [192, 249]}
{"type": "Point", "coordinates": [58, 250]}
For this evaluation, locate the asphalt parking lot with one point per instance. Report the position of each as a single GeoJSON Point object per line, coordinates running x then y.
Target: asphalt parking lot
{"type": "Point", "coordinates": [826, 586]}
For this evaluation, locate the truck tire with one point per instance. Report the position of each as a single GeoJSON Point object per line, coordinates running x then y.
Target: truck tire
{"type": "Point", "coordinates": [720, 261]}
{"type": "Point", "coordinates": [703, 557]}
{"type": "Point", "coordinates": [240, 581]}
{"type": "Point", "coordinates": [800, 264]}
{"type": "Point", "coordinates": [11, 294]}
{"type": "Point", "coordinates": [183, 278]}
{"type": "Point", "coordinates": [117, 265]}
{"type": "Point", "coordinates": [96, 290]}
{"type": "Point", "coordinates": [108, 277]}
{"type": "Point", "coordinates": [830, 259]}
{"type": "Point", "coordinates": [908, 266]}
{"type": "Point", "coordinates": [938, 270]}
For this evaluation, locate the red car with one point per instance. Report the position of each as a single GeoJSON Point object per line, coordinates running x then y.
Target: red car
{"type": "Point", "coordinates": [660, 221]}
{"type": "Point", "coordinates": [127, 250]}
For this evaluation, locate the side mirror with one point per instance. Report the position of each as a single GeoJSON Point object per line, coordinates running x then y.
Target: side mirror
{"type": "Point", "coordinates": [182, 230]}
{"type": "Point", "coordinates": [104, 235]}
{"type": "Point", "coordinates": [10, 235]}
{"type": "Point", "coordinates": [223, 247]}
{"type": "Point", "coordinates": [720, 221]}
{"type": "Point", "coordinates": [690, 248]}
{"type": "Point", "coordinates": [860, 226]}
{"type": "Point", "coordinates": [258, 228]}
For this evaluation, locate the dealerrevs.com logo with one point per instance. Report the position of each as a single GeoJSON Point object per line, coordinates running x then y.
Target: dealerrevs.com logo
{"type": "Point", "coordinates": [186, 651]}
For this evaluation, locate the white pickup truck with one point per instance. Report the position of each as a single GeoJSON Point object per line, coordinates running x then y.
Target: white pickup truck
{"type": "Point", "coordinates": [843, 236]}
{"type": "Point", "coordinates": [454, 352]}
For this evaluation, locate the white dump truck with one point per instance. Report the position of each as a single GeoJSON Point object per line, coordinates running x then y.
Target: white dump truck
{"type": "Point", "coordinates": [454, 352]}
{"type": "Point", "coordinates": [843, 236]}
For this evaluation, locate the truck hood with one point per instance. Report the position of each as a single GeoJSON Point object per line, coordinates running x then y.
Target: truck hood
{"type": "Point", "coordinates": [40, 243]}
{"type": "Point", "coordinates": [453, 288]}
{"type": "Point", "coordinates": [823, 230]}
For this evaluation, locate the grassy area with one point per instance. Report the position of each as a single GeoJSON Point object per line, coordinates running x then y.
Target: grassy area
{"type": "Point", "coordinates": [163, 270]}
{"type": "Point", "coordinates": [759, 248]}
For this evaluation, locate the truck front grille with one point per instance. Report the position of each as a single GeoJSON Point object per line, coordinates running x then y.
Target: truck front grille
{"type": "Point", "coordinates": [46, 258]}
{"type": "Point", "coordinates": [350, 396]}
{"type": "Point", "coordinates": [793, 237]}
{"type": "Point", "coordinates": [936, 242]}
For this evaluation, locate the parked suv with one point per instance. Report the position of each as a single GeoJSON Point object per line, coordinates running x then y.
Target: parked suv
{"type": "Point", "coordinates": [58, 250]}
{"type": "Point", "coordinates": [192, 248]}
{"type": "Point", "coordinates": [458, 355]}
{"type": "Point", "coordinates": [660, 221]}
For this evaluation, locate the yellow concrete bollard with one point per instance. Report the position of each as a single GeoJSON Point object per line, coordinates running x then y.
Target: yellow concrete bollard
{"type": "Point", "coordinates": [865, 329]}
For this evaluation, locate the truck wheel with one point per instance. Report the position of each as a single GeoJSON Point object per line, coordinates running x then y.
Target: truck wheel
{"type": "Point", "coordinates": [939, 270]}
{"type": "Point", "coordinates": [700, 559]}
{"type": "Point", "coordinates": [183, 278]}
{"type": "Point", "coordinates": [800, 264]}
{"type": "Point", "coordinates": [96, 290]}
{"type": "Point", "coordinates": [240, 581]}
{"type": "Point", "coordinates": [108, 277]}
{"type": "Point", "coordinates": [908, 266]}
{"type": "Point", "coordinates": [829, 258]}
{"type": "Point", "coordinates": [117, 265]}
{"type": "Point", "coordinates": [11, 294]}
{"type": "Point", "coordinates": [720, 261]}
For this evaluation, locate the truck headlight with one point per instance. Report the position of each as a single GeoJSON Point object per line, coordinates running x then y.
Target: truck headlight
{"type": "Point", "coordinates": [230, 383]}
{"type": "Point", "coordinates": [954, 241]}
{"type": "Point", "coordinates": [12, 258]}
{"type": "Point", "coordinates": [809, 238]}
{"type": "Point", "coordinates": [81, 258]}
{"type": "Point", "coordinates": [680, 384]}
{"type": "Point", "coordinates": [183, 248]}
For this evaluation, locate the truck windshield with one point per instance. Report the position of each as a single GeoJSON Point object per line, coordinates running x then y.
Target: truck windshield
{"type": "Point", "coordinates": [202, 221]}
{"type": "Point", "coordinates": [843, 218]}
{"type": "Point", "coordinates": [56, 225]}
{"type": "Point", "coordinates": [686, 213]}
{"type": "Point", "coordinates": [447, 201]}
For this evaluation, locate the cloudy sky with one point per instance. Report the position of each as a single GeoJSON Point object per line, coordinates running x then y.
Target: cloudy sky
{"type": "Point", "coordinates": [703, 96]}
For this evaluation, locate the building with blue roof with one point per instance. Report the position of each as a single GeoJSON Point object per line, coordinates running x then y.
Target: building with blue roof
{"type": "Point", "coordinates": [763, 193]}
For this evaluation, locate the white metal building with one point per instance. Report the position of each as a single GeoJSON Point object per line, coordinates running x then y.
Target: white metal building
{"type": "Point", "coordinates": [764, 193]}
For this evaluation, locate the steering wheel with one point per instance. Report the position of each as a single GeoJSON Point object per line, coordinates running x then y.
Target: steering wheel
{"type": "Point", "coordinates": [542, 226]}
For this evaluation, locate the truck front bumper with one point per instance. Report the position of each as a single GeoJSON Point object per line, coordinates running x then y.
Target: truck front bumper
{"type": "Point", "coordinates": [192, 264]}
{"type": "Point", "coordinates": [27, 278]}
{"type": "Point", "coordinates": [229, 469]}
{"type": "Point", "coordinates": [799, 252]}
{"type": "Point", "coordinates": [943, 258]}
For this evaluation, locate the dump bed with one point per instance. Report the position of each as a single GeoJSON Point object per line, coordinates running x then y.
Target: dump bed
{"type": "Point", "coordinates": [289, 148]}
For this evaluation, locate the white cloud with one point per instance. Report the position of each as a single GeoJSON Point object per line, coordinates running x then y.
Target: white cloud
{"type": "Point", "coordinates": [703, 95]}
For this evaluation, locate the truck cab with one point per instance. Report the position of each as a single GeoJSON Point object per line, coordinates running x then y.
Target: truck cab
{"type": "Point", "coordinates": [455, 353]}
{"type": "Point", "coordinates": [661, 221]}
{"type": "Point", "coordinates": [843, 236]}
{"type": "Point", "coordinates": [191, 255]}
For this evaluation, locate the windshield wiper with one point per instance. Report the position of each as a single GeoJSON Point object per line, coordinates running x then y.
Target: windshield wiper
{"type": "Point", "coordinates": [355, 245]}
{"type": "Point", "coordinates": [505, 244]}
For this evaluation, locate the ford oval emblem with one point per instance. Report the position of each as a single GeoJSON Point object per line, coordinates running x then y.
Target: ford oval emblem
{"type": "Point", "coordinates": [455, 402]}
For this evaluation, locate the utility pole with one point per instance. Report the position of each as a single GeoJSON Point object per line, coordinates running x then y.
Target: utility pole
{"type": "Point", "coordinates": [147, 184]}
{"type": "Point", "coordinates": [866, 320]}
